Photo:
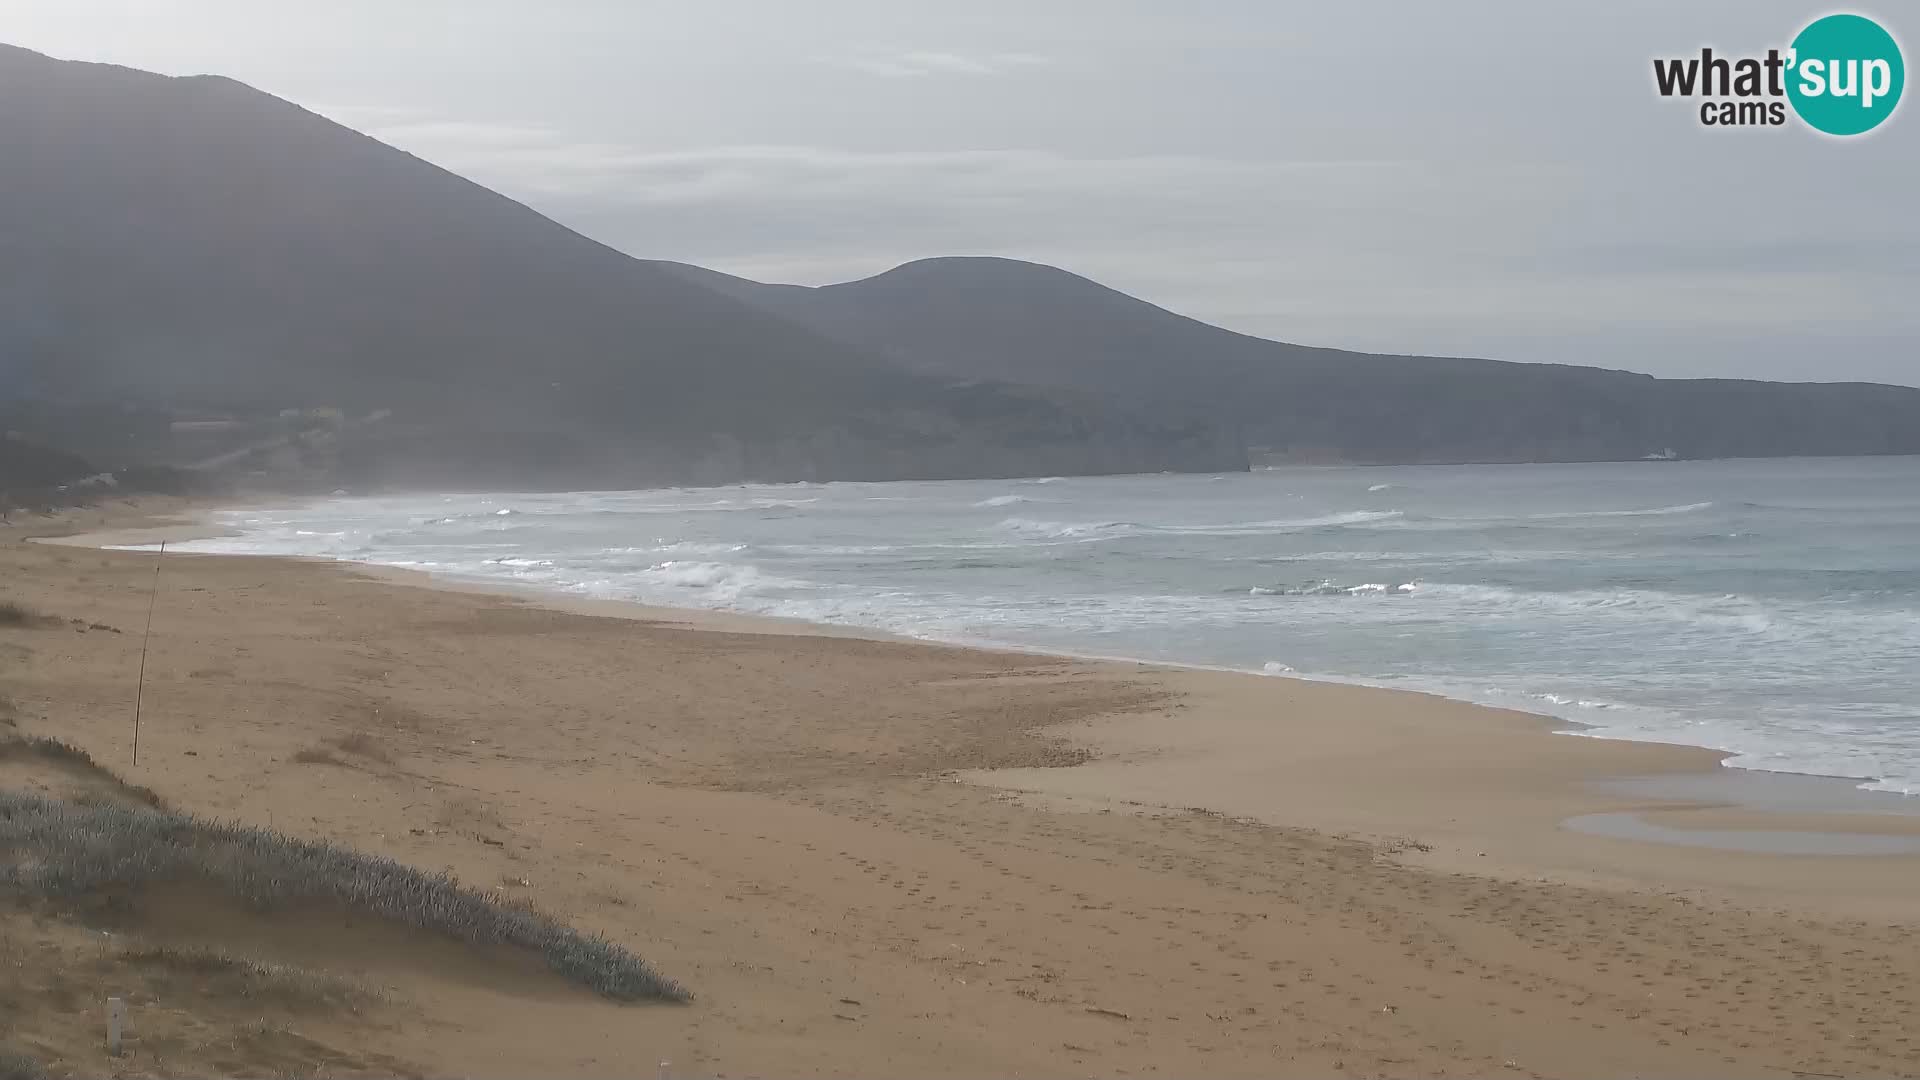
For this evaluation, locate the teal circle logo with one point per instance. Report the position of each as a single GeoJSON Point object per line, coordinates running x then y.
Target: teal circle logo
{"type": "Point", "coordinates": [1845, 74]}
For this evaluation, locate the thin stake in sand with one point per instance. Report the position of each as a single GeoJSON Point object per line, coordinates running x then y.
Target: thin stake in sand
{"type": "Point", "coordinates": [140, 684]}
{"type": "Point", "coordinates": [116, 1018]}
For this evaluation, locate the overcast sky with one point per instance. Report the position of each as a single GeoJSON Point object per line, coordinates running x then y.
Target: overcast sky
{"type": "Point", "coordinates": [1483, 179]}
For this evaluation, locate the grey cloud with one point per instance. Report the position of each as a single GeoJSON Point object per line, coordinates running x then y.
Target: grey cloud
{"type": "Point", "coordinates": [913, 63]}
{"type": "Point", "coordinates": [536, 159]}
{"type": "Point", "coordinates": [1376, 254]}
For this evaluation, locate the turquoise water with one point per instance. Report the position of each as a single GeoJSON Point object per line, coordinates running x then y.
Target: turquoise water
{"type": "Point", "coordinates": [1768, 608]}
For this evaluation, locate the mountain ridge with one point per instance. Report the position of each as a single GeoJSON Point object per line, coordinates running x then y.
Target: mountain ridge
{"type": "Point", "coordinates": [996, 317]}
{"type": "Point", "coordinates": [189, 246]}
{"type": "Point", "coordinates": [193, 270]}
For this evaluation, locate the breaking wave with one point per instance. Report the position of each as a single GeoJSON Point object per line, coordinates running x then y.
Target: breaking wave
{"type": "Point", "coordinates": [719, 581]}
{"type": "Point", "coordinates": [1658, 511]}
{"type": "Point", "coordinates": [1081, 530]}
{"type": "Point", "coordinates": [1331, 588]}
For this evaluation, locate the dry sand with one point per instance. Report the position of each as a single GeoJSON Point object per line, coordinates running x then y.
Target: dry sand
{"type": "Point", "coordinates": [873, 857]}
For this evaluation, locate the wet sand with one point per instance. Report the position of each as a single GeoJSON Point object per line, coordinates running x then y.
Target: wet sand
{"type": "Point", "coordinates": [883, 857]}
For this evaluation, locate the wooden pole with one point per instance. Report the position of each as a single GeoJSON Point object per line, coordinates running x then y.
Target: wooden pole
{"type": "Point", "coordinates": [140, 685]}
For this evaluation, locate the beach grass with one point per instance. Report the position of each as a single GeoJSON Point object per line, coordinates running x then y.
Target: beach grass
{"type": "Point", "coordinates": [49, 748]}
{"type": "Point", "coordinates": [63, 851]}
{"type": "Point", "coordinates": [54, 750]}
{"type": "Point", "coordinates": [316, 755]}
{"type": "Point", "coordinates": [15, 1065]}
{"type": "Point", "coordinates": [361, 744]}
{"type": "Point", "coordinates": [250, 979]}
{"type": "Point", "coordinates": [14, 613]}
{"type": "Point", "coordinates": [356, 744]}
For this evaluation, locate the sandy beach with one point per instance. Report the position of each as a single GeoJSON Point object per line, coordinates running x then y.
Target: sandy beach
{"type": "Point", "coordinates": [884, 857]}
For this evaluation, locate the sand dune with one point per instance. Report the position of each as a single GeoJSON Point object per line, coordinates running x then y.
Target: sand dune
{"type": "Point", "coordinates": [885, 858]}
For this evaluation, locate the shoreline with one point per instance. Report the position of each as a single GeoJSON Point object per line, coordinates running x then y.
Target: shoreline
{"type": "Point", "coordinates": [1855, 798]}
{"type": "Point", "coordinates": [871, 857]}
{"type": "Point", "coordinates": [1677, 797]}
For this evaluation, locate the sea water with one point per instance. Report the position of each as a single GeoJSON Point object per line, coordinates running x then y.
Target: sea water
{"type": "Point", "coordinates": [1769, 608]}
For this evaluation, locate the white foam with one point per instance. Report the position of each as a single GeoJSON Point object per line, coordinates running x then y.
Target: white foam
{"type": "Point", "coordinates": [677, 547]}
{"type": "Point", "coordinates": [1574, 702]}
{"type": "Point", "coordinates": [1333, 588]}
{"type": "Point", "coordinates": [1067, 530]}
{"type": "Point", "coordinates": [1658, 511]}
{"type": "Point", "coordinates": [1727, 612]}
{"type": "Point", "coordinates": [722, 582]}
{"type": "Point", "coordinates": [1063, 530]}
{"type": "Point", "coordinates": [1243, 528]}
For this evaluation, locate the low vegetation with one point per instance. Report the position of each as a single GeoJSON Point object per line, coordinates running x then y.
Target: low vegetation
{"type": "Point", "coordinates": [72, 757]}
{"type": "Point", "coordinates": [217, 972]}
{"type": "Point", "coordinates": [57, 850]}
{"type": "Point", "coordinates": [51, 749]}
{"type": "Point", "coordinates": [39, 479]}
{"type": "Point", "coordinates": [13, 613]}
{"type": "Point", "coordinates": [18, 1066]}
{"type": "Point", "coordinates": [316, 755]}
{"type": "Point", "coordinates": [356, 744]}
{"type": "Point", "coordinates": [361, 744]}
